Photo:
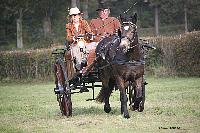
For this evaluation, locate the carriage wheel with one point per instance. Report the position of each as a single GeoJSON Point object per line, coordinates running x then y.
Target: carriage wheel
{"type": "Point", "coordinates": [66, 104]}
{"type": "Point", "coordinates": [130, 90]}
{"type": "Point", "coordinates": [132, 98]}
{"type": "Point", "coordinates": [141, 105]}
{"type": "Point", "coordinates": [132, 95]}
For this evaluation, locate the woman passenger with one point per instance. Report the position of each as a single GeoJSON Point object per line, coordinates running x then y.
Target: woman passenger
{"type": "Point", "coordinates": [77, 26]}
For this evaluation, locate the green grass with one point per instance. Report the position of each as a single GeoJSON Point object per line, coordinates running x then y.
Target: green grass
{"type": "Point", "coordinates": [32, 107]}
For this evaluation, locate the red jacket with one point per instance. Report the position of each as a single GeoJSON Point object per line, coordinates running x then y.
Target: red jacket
{"type": "Point", "coordinates": [102, 27]}
{"type": "Point", "coordinates": [71, 31]}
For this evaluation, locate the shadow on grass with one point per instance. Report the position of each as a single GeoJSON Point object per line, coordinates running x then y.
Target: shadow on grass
{"type": "Point", "coordinates": [94, 110]}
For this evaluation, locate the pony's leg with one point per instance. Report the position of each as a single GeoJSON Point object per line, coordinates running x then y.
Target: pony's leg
{"type": "Point", "coordinates": [123, 98]}
{"type": "Point", "coordinates": [138, 90]}
{"type": "Point", "coordinates": [56, 79]}
{"type": "Point", "coordinates": [107, 94]}
{"type": "Point", "coordinates": [107, 107]}
{"type": "Point", "coordinates": [141, 104]}
{"type": "Point", "coordinates": [77, 55]}
{"type": "Point", "coordinates": [106, 90]}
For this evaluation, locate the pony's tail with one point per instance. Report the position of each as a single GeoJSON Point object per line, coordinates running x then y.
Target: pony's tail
{"type": "Point", "coordinates": [100, 97]}
{"type": "Point", "coordinates": [105, 91]}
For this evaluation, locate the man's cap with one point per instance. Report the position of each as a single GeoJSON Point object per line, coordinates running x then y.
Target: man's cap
{"type": "Point", "coordinates": [103, 6]}
{"type": "Point", "coordinates": [74, 11]}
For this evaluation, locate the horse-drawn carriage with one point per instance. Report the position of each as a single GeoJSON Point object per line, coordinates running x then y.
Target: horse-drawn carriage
{"type": "Point", "coordinates": [118, 63]}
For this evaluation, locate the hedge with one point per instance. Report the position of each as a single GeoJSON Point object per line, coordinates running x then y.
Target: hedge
{"type": "Point", "coordinates": [29, 64]}
{"type": "Point", "coordinates": [174, 56]}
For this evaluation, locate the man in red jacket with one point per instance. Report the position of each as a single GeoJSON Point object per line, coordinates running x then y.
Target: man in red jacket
{"type": "Point", "coordinates": [104, 25]}
{"type": "Point", "coordinates": [101, 27]}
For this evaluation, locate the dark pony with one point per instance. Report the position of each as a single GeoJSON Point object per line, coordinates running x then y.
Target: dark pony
{"type": "Point", "coordinates": [129, 38]}
{"type": "Point", "coordinates": [119, 66]}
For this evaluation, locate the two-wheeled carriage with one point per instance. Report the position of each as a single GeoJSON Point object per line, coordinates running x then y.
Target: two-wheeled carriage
{"type": "Point", "coordinates": [117, 67]}
{"type": "Point", "coordinates": [68, 81]}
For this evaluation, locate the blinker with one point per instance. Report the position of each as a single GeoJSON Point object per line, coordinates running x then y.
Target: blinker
{"type": "Point", "coordinates": [126, 27]}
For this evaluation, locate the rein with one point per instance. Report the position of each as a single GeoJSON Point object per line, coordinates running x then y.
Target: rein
{"type": "Point", "coordinates": [131, 40]}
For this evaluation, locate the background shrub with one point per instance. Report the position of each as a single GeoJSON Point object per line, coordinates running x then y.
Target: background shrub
{"type": "Point", "coordinates": [26, 64]}
{"type": "Point", "coordinates": [174, 56]}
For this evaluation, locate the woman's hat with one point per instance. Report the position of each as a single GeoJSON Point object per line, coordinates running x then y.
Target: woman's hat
{"type": "Point", "coordinates": [74, 11]}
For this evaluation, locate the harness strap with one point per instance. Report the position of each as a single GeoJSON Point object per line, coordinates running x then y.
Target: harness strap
{"type": "Point", "coordinates": [123, 63]}
{"type": "Point", "coordinates": [109, 64]}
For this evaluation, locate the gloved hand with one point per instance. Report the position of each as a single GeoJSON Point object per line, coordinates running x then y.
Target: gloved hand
{"type": "Point", "coordinates": [89, 36]}
{"type": "Point", "coordinates": [74, 38]}
{"type": "Point", "coordinates": [67, 44]}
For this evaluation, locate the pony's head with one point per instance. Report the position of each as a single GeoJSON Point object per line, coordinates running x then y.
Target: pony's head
{"type": "Point", "coordinates": [128, 32]}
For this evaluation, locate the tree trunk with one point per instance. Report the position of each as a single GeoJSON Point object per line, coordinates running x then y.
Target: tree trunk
{"type": "Point", "coordinates": [47, 26]}
{"type": "Point", "coordinates": [85, 9]}
{"type": "Point", "coordinates": [73, 3]}
{"type": "Point", "coordinates": [3, 37]}
{"type": "Point", "coordinates": [186, 23]}
{"type": "Point", "coordinates": [156, 21]}
{"type": "Point", "coordinates": [19, 30]}
{"type": "Point", "coordinates": [78, 3]}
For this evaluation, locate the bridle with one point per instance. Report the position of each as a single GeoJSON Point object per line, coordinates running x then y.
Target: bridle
{"type": "Point", "coordinates": [126, 26]}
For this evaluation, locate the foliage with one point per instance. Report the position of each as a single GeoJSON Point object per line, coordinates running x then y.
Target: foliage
{"type": "Point", "coordinates": [177, 56]}
{"type": "Point", "coordinates": [34, 12]}
{"type": "Point", "coordinates": [32, 64]}
{"type": "Point", "coordinates": [174, 56]}
{"type": "Point", "coordinates": [188, 54]}
{"type": "Point", "coordinates": [169, 30]}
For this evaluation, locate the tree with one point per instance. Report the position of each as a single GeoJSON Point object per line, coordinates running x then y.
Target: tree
{"type": "Point", "coordinates": [156, 5]}
{"type": "Point", "coordinates": [85, 9]}
{"type": "Point", "coordinates": [73, 3]}
{"type": "Point", "coordinates": [45, 8]}
{"type": "Point", "coordinates": [185, 14]}
{"type": "Point", "coordinates": [191, 13]}
{"type": "Point", "coordinates": [19, 29]}
{"type": "Point", "coordinates": [18, 8]}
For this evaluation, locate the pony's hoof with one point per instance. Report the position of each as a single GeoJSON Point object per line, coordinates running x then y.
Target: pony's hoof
{"type": "Point", "coordinates": [137, 104]}
{"type": "Point", "coordinates": [107, 109]}
{"type": "Point", "coordinates": [135, 107]}
{"type": "Point", "coordinates": [141, 107]}
{"type": "Point", "coordinates": [126, 116]}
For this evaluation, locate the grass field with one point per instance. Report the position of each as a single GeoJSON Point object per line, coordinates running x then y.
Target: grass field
{"type": "Point", "coordinates": [32, 107]}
